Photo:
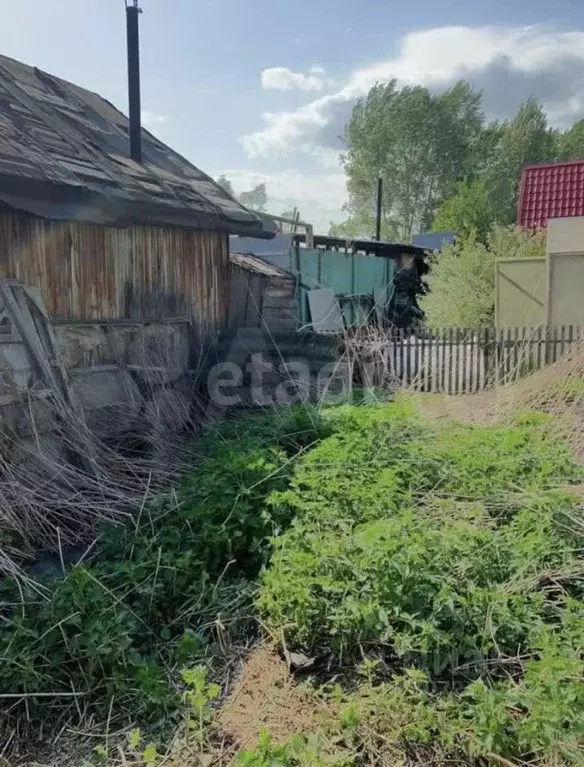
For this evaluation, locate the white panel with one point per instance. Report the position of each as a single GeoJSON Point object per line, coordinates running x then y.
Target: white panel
{"type": "Point", "coordinates": [325, 311]}
{"type": "Point", "coordinates": [565, 235]}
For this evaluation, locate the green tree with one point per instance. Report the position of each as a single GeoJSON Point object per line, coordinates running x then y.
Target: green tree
{"type": "Point", "coordinates": [420, 143]}
{"type": "Point", "coordinates": [226, 184]}
{"type": "Point", "coordinates": [468, 210]}
{"type": "Point", "coordinates": [525, 140]}
{"type": "Point", "coordinates": [571, 142]}
{"type": "Point", "coordinates": [361, 226]}
{"type": "Point", "coordinates": [485, 148]}
{"type": "Point", "coordinates": [462, 277]}
{"type": "Point", "coordinates": [256, 199]}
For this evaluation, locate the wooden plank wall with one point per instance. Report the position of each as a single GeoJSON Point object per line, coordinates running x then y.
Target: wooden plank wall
{"type": "Point", "coordinates": [280, 309]}
{"type": "Point", "coordinates": [246, 298]}
{"type": "Point", "coordinates": [262, 300]}
{"type": "Point", "coordinates": [86, 271]}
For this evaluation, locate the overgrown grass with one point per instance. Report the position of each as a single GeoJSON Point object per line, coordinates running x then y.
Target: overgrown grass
{"type": "Point", "coordinates": [445, 552]}
{"type": "Point", "coordinates": [111, 632]}
{"type": "Point", "coordinates": [438, 565]}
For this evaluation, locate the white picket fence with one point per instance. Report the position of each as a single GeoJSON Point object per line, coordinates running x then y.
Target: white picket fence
{"type": "Point", "coordinates": [462, 361]}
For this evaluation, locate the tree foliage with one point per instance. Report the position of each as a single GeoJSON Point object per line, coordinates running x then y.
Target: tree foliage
{"type": "Point", "coordinates": [361, 225]}
{"type": "Point", "coordinates": [462, 277]}
{"type": "Point", "coordinates": [525, 140]}
{"type": "Point", "coordinates": [571, 142]}
{"type": "Point", "coordinates": [418, 142]}
{"type": "Point", "coordinates": [439, 157]}
{"type": "Point", "coordinates": [469, 210]}
{"type": "Point", "coordinates": [256, 199]}
{"type": "Point", "coordinates": [226, 184]}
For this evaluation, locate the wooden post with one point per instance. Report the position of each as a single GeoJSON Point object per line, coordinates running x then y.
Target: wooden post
{"type": "Point", "coordinates": [507, 355]}
{"type": "Point", "coordinates": [379, 208]}
{"type": "Point", "coordinates": [470, 379]}
{"type": "Point", "coordinates": [394, 353]}
{"type": "Point", "coordinates": [457, 361]}
{"type": "Point", "coordinates": [422, 373]}
{"type": "Point", "coordinates": [401, 356]}
{"type": "Point", "coordinates": [490, 357]}
{"type": "Point", "coordinates": [516, 355]}
{"type": "Point", "coordinates": [448, 361]}
{"type": "Point", "coordinates": [482, 360]}
{"type": "Point", "coordinates": [408, 346]}
{"type": "Point", "coordinates": [440, 361]}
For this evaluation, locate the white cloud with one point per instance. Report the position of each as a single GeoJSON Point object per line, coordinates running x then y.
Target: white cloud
{"type": "Point", "coordinates": [438, 56]}
{"type": "Point", "coordinates": [284, 79]}
{"type": "Point", "coordinates": [508, 64]}
{"type": "Point", "coordinates": [151, 119]}
{"type": "Point", "coordinates": [319, 196]}
{"type": "Point", "coordinates": [284, 130]}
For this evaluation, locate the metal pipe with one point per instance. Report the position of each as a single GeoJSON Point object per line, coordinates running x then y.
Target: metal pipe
{"type": "Point", "coordinates": [379, 205]}
{"type": "Point", "coordinates": [296, 222]}
{"type": "Point", "coordinates": [133, 27]}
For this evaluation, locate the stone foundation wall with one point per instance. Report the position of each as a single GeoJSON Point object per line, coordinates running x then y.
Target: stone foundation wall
{"type": "Point", "coordinates": [115, 369]}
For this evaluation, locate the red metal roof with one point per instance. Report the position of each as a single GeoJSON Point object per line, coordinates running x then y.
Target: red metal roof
{"type": "Point", "coordinates": [550, 191]}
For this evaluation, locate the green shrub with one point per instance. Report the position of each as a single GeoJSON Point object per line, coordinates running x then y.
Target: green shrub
{"type": "Point", "coordinates": [537, 716]}
{"type": "Point", "coordinates": [108, 630]}
{"type": "Point", "coordinates": [412, 538]}
{"type": "Point", "coordinates": [462, 277]}
{"type": "Point", "coordinates": [443, 559]}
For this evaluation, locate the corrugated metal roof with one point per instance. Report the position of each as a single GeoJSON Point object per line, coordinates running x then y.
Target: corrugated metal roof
{"type": "Point", "coordinates": [550, 191]}
{"type": "Point", "coordinates": [372, 247]}
{"type": "Point", "coordinates": [65, 154]}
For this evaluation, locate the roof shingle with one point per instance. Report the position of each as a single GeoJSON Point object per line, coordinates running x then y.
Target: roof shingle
{"type": "Point", "coordinates": [65, 154]}
{"type": "Point", "coordinates": [550, 191]}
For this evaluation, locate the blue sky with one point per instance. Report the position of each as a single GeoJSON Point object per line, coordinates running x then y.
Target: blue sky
{"type": "Point", "coordinates": [260, 89]}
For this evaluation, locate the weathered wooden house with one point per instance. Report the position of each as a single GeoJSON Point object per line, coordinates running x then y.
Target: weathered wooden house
{"type": "Point", "coordinates": [102, 235]}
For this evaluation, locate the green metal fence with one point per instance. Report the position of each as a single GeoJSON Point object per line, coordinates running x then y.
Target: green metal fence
{"type": "Point", "coordinates": [355, 279]}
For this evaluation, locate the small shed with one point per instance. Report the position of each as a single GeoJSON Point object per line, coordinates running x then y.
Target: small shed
{"type": "Point", "coordinates": [261, 295]}
{"type": "Point", "coordinates": [101, 235]}
{"type": "Point", "coordinates": [368, 278]}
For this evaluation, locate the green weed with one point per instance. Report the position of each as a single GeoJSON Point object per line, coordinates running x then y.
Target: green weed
{"type": "Point", "coordinates": [301, 751]}
{"type": "Point", "coordinates": [109, 631]}
{"type": "Point", "coordinates": [446, 549]}
{"type": "Point", "coordinates": [440, 562]}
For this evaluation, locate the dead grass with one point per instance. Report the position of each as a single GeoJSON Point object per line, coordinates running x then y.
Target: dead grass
{"type": "Point", "coordinates": [267, 697]}
{"type": "Point", "coordinates": [59, 482]}
{"type": "Point", "coordinates": [557, 390]}
{"type": "Point", "coordinates": [263, 695]}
